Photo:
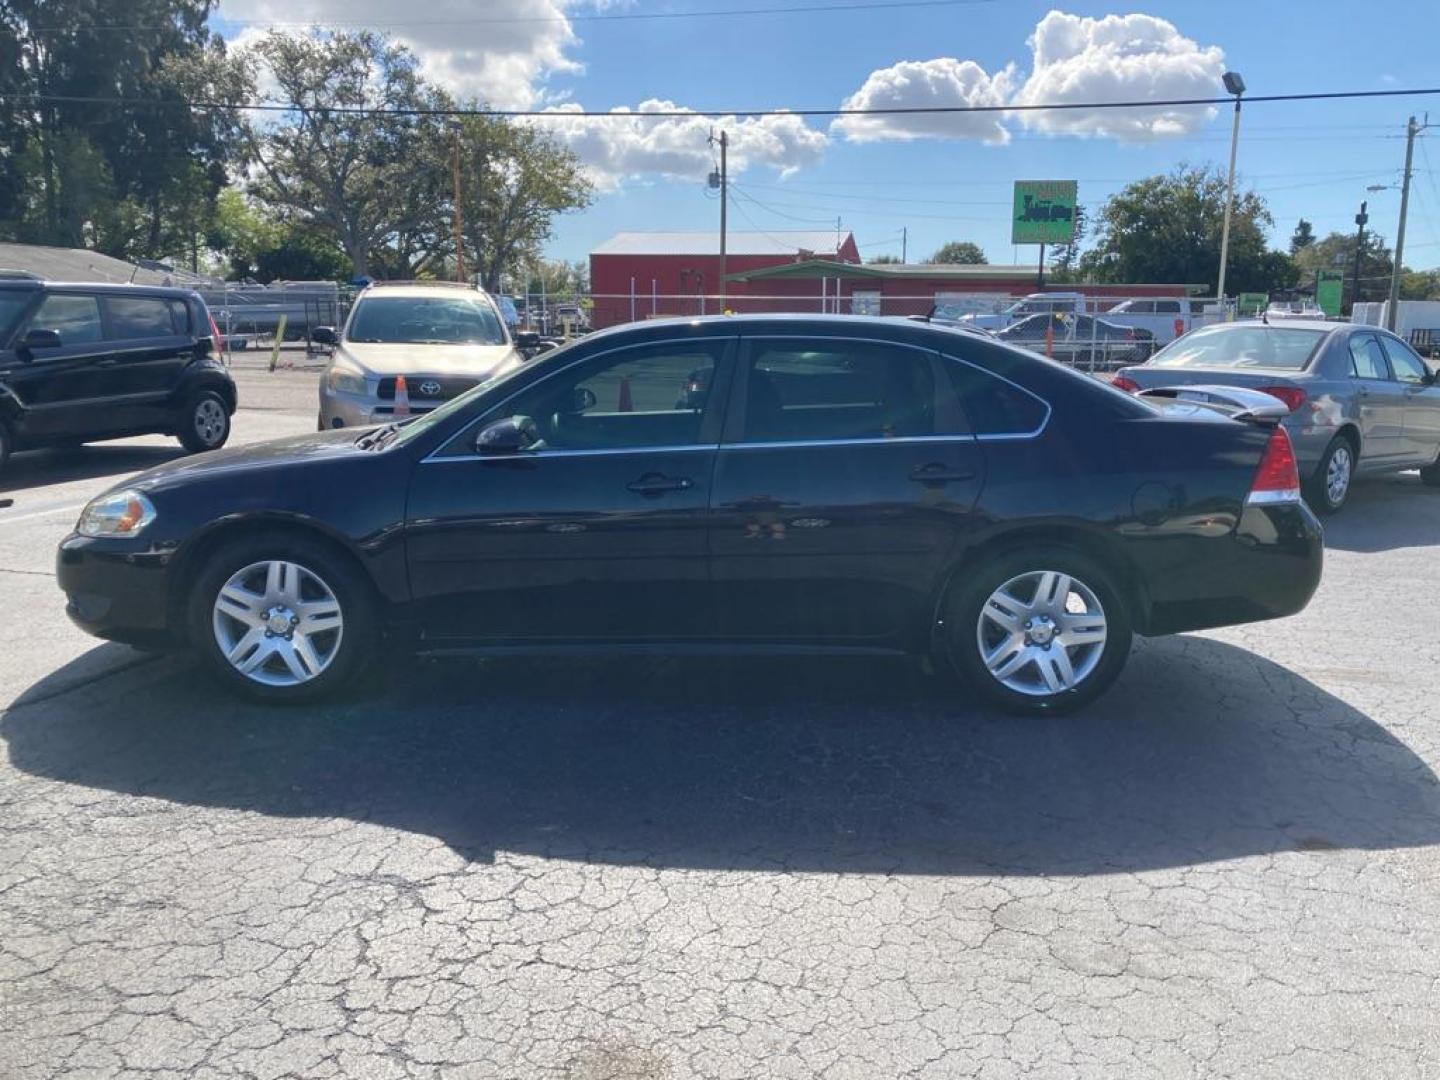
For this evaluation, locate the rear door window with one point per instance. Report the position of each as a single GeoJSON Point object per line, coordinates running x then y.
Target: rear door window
{"type": "Point", "coordinates": [993, 406]}
{"type": "Point", "coordinates": [1367, 359]}
{"type": "Point", "coordinates": [823, 390]}
{"type": "Point", "coordinates": [75, 318]}
{"type": "Point", "coordinates": [134, 317]}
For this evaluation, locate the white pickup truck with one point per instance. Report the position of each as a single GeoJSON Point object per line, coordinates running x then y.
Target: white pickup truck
{"type": "Point", "coordinates": [1035, 304]}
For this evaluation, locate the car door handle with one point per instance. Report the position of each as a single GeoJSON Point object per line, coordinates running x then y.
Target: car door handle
{"type": "Point", "coordinates": [109, 361]}
{"type": "Point", "coordinates": [653, 484]}
{"type": "Point", "coordinates": [1364, 391]}
{"type": "Point", "coordinates": [935, 473]}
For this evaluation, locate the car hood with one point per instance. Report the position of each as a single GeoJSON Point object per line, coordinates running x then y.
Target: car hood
{"type": "Point", "coordinates": [326, 445]}
{"type": "Point", "coordinates": [385, 358]}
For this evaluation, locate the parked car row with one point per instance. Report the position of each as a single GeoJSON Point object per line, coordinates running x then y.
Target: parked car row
{"type": "Point", "coordinates": [773, 484]}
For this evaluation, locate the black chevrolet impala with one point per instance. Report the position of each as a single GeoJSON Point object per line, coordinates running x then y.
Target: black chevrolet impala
{"type": "Point", "coordinates": [733, 484]}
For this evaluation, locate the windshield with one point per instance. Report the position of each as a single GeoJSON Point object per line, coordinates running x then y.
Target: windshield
{"type": "Point", "coordinates": [1255, 346]}
{"type": "Point", "coordinates": [425, 320]}
{"type": "Point", "coordinates": [12, 303]}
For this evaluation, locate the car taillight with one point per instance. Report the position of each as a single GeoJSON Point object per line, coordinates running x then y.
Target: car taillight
{"type": "Point", "coordinates": [214, 334]}
{"type": "Point", "coordinates": [1120, 382]}
{"type": "Point", "coordinates": [1277, 480]}
{"type": "Point", "coordinates": [1293, 396]}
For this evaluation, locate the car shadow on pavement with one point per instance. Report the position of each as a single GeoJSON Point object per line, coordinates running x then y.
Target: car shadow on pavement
{"type": "Point", "coordinates": [1385, 513]}
{"type": "Point", "coordinates": [36, 468]}
{"type": "Point", "coordinates": [1202, 752]}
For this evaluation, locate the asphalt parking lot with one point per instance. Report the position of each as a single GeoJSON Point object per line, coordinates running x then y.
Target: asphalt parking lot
{"type": "Point", "coordinates": [1229, 867]}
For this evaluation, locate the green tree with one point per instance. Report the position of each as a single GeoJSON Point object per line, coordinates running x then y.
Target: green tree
{"type": "Point", "coordinates": [355, 177]}
{"type": "Point", "coordinates": [1166, 228]}
{"type": "Point", "coordinates": [884, 260]}
{"type": "Point", "coordinates": [131, 182]}
{"type": "Point", "coordinates": [1419, 284]}
{"type": "Point", "coordinates": [1336, 251]}
{"type": "Point", "coordinates": [515, 179]}
{"type": "Point", "coordinates": [1302, 237]}
{"type": "Point", "coordinates": [961, 252]}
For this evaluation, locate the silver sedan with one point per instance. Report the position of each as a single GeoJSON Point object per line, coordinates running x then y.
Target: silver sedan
{"type": "Point", "coordinates": [1361, 400]}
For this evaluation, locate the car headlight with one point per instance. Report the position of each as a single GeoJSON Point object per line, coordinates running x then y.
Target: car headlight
{"type": "Point", "coordinates": [122, 513]}
{"type": "Point", "coordinates": [343, 379]}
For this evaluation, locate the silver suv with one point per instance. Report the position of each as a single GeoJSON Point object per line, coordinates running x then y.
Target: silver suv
{"type": "Point", "coordinates": [444, 338]}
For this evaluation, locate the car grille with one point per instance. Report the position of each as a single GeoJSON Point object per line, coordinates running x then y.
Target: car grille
{"type": "Point", "coordinates": [427, 387]}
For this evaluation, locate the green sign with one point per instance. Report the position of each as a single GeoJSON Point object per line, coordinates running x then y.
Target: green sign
{"type": "Point", "coordinates": [1329, 287]}
{"type": "Point", "coordinates": [1251, 303]}
{"type": "Point", "coordinates": [1044, 212]}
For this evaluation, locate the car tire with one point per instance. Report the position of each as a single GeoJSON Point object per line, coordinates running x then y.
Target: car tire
{"type": "Point", "coordinates": [204, 422]}
{"type": "Point", "coordinates": [283, 618]}
{"type": "Point", "coordinates": [1429, 474]}
{"type": "Point", "coordinates": [1027, 666]}
{"type": "Point", "coordinates": [1329, 485]}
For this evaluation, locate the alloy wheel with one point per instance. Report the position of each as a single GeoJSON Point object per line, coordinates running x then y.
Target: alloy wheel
{"type": "Point", "coordinates": [1041, 633]}
{"type": "Point", "coordinates": [1338, 473]}
{"type": "Point", "coordinates": [209, 420]}
{"type": "Point", "coordinates": [277, 623]}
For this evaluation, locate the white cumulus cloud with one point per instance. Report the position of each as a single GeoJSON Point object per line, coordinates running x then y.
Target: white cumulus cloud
{"type": "Point", "coordinates": [613, 150]}
{"type": "Point", "coordinates": [1117, 58]}
{"type": "Point", "coordinates": [1074, 59]}
{"type": "Point", "coordinates": [500, 51]}
{"type": "Point", "coordinates": [943, 82]}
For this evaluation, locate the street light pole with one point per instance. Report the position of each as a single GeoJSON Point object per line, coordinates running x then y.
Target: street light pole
{"type": "Point", "coordinates": [1234, 84]}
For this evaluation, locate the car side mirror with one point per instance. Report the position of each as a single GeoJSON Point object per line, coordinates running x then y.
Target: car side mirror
{"type": "Point", "coordinates": [512, 435]}
{"type": "Point", "coordinates": [41, 339]}
{"type": "Point", "coordinates": [324, 335]}
{"type": "Point", "coordinates": [527, 339]}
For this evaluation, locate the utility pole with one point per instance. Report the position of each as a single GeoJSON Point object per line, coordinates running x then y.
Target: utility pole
{"type": "Point", "coordinates": [1411, 130]}
{"type": "Point", "coordinates": [1360, 219]}
{"type": "Point", "coordinates": [721, 180]}
{"type": "Point", "coordinates": [459, 224]}
{"type": "Point", "coordinates": [904, 243]}
{"type": "Point", "coordinates": [1234, 84]}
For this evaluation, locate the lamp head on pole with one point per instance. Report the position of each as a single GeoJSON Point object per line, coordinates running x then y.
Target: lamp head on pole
{"type": "Point", "coordinates": [1234, 84]}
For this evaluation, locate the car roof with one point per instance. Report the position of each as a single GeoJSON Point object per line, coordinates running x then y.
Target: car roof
{"type": "Point", "coordinates": [423, 288]}
{"type": "Point", "coordinates": [1289, 324]}
{"type": "Point", "coordinates": [171, 292]}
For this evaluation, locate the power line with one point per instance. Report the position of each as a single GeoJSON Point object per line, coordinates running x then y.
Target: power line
{"type": "Point", "coordinates": [619, 16]}
{"type": "Point", "coordinates": [897, 110]}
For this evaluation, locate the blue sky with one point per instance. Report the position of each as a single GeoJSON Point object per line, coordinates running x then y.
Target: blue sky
{"type": "Point", "coordinates": [1307, 159]}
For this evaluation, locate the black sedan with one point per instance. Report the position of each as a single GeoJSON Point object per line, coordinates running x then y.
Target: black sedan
{"type": "Point", "coordinates": [732, 484]}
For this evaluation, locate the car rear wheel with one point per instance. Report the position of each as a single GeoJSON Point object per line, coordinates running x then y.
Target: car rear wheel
{"type": "Point", "coordinates": [283, 619]}
{"type": "Point", "coordinates": [1329, 485]}
{"type": "Point", "coordinates": [204, 422]}
{"type": "Point", "coordinates": [1038, 630]}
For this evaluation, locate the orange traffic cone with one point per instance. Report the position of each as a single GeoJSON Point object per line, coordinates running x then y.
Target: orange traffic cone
{"type": "Point", "coordinates": [402, 397]}
{"type": "Point", "coordinates": [626, 402]}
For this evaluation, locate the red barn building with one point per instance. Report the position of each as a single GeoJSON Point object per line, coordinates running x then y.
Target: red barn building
{"type": "Point", "coordinates": [642, 275]}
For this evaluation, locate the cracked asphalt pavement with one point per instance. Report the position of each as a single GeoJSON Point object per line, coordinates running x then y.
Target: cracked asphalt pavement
{"type": "Point", "coordinates": [636, 870]}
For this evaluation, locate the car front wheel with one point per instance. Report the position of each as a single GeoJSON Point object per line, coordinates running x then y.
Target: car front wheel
{"type": "Point", "coordinates": [283, 619]}
{"type": "Point", "coordinates": [204, 422]}
{"type": "Point", "coordinates": [1038, 630]}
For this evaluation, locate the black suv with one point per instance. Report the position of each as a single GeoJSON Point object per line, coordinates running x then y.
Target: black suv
{"type": "Point", "coordinates": [81, 362]}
